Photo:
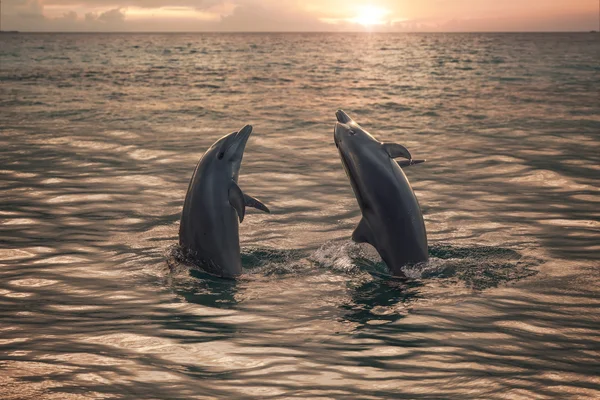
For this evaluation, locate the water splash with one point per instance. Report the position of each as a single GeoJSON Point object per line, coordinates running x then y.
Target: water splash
{"type": "Point", "coordinates": [474, 268]}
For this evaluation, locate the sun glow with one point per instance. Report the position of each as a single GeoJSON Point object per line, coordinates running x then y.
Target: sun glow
{"type": "Point", "coordinates": [370, 15]}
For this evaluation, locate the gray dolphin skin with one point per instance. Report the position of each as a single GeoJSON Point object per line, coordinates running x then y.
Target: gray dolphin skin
{"type": "Point", "coordinates": [215, 205]}
{"type": "Point", "coordinates": [391, 218]}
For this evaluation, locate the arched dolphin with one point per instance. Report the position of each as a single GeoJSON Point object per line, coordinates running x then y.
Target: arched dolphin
{"type": "Point", "coordinates": [392, 221]}
{"type": "Point", "coordinates": [209, 228]}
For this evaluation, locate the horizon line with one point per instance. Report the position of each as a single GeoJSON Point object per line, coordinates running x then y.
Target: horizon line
{"type": "Point", "coordinates": [262, 32]}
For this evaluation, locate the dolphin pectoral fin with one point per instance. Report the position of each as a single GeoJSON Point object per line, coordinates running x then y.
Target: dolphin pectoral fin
{"type": "Point", "coordinates": [408, 163]}
{"type": "Point", "coordinates": [396, 150]}
{"type": "Point", "coordinates": [362, 233]}
{"type": "Point", "coordinates": [255, 203]}
{"type": "Point", "coordinates": [237, 201]}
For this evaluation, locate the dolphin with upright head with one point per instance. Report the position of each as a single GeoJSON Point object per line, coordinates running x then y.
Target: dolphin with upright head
{"type": "Point", "coordinates": [391, 218]}
{"type": "Point", "coordinates": [209, 228]}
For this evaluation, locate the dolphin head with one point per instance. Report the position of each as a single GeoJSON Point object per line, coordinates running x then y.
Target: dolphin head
{"type": "Point", "coordinates": [352, 142]}
{"type": "Point", "coordinates": [349, 136]}
{"type": "Point", "coordinates": [229, 150]}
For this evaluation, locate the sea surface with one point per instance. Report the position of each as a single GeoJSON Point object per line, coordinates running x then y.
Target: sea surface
{"type": "Point", "coordinates": [100, 134]}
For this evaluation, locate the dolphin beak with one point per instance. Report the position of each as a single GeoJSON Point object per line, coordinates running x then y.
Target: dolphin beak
{"type": "Point", "coordinates": [243, 135]}
{"type": "Point", "coordinates": [239, 143]}
{"type": "Point", "coordinates": [342, 117]}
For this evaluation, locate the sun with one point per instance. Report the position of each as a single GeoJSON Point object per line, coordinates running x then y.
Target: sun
{"type": "Point", "coordinates": [370, 15]}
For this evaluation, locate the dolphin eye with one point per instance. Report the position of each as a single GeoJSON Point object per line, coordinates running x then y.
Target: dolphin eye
{"type": "Point", "coordinates": [221, 155]}
{"type": "Point", "coordinates": [352, 132]}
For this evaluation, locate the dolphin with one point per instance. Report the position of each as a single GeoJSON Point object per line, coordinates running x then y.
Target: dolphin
{"type": "Point", "coordinates": [215, 206]}
{"type": "Point", "coordinates": [391, 218]}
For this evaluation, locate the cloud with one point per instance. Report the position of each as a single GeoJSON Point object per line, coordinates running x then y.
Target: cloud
{"type": "Point", "coordinates": [109, 20]}
{"type": "Point", "coordinates": [24, 8]}
{"type": "Point", "coordinates": [555, 23]}
{"type": "Point", "coordinates": [112, 16]}
{"type": "Point", "coordinates": [115, 15]}
{"type": "Point", "coordinates": [255, 17]}
{"type": "Point", "coordinates": [70, 16]}
{"type": "Point", "coordinates": [119, 4]}
{"type": "Point", "coordinates": [296, 15]}
{"type": "Point", "coordinates": [244, 15]}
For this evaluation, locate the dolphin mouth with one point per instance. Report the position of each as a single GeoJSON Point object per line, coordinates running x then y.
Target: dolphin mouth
{"type": "Point", "coordinates": [352, 179]}
{"type": "Point", "coordinates": [335, 134]}
{"type": "Point", "coordinates": [338, 132]}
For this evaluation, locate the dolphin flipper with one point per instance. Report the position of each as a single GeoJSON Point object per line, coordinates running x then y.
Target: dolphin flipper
{"type": "Point", "coordinates": [255, 203]}
{"type": "Point", "coordinates": [362, 233]}
{"type": "Point", "coordinates": [396, 150]}
{"type": "Point", "coordinates": [408, 163]}
{"type": "Point", "coordinates": [237, 201]}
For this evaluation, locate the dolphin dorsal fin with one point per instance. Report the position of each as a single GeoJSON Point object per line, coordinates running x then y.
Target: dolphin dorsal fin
{"type": "Point", "coordinates": [237, 200]}
{"type": "Point", "coordinates": [362, 233]}
{"type": "Point", "coordinates": [255, 203]}
{"type": "Point", "coordinates": [396, 150]}
{"type": "Point", "coordinates": [408, 163]}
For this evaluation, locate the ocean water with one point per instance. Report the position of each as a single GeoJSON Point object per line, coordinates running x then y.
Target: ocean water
{"type": "Point", "coordinates": [99, 136]}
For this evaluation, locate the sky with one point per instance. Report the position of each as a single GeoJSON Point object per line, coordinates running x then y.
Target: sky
{"type": "Point", "coordinates": [299, 15]}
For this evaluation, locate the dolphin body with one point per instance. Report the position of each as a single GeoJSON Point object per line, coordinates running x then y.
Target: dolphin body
{"type": "Point", "coordinates": [391, 218]}
{"type": "Point", "coordinates": [209, 228]}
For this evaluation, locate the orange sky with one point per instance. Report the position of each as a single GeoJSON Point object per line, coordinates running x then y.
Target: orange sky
{"type": "Point", "coordinates": [297, 15]}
